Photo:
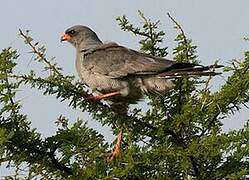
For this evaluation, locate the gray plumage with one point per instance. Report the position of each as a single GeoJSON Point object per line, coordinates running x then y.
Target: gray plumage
{"type": "Point", "coordinates": [109, 67]}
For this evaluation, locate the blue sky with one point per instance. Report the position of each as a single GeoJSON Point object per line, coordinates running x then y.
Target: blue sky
{"type": "Point", "coordinates": [216, 27]}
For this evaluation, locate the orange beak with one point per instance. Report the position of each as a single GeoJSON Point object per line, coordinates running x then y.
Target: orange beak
{"type": "Point", "coordinates": [65, 37]}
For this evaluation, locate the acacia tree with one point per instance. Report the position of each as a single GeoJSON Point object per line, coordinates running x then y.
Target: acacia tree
{"type": "Point", "coordinates": [181, 132]}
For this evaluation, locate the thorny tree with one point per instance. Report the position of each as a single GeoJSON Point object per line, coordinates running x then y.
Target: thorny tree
{"type": "Point", "coordinates": [181, 132]}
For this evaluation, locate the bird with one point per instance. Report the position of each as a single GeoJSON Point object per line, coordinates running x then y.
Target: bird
{"type": "Point", "coordinates": [124, 75]}
{"type": "Point", "coordinates": [121, 73]}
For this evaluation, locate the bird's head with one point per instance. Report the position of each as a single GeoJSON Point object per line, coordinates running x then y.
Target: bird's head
{"type": "Point", "coordinates": [80, 36]}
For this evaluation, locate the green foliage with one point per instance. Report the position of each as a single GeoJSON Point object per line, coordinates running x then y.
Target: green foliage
{"type": "Point", "coordinates": [181, 133]}
{"type": "Point", "coordinates": [149, 33]}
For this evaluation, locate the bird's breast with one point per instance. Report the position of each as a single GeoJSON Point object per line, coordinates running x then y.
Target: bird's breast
{"type": "Point", "coordinates": [99, 81]}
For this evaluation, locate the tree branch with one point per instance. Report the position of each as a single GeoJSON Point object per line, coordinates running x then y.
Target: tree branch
{"type": "Point", "coordinates": [38, 52]}
{"type": "Point", "coordinates": [54, 162]}
{"type": "Point", "coordinates": [179, 27]}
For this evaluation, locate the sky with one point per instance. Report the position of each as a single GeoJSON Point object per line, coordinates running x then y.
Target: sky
{"type": "Point", "coordinates": [216, 27]}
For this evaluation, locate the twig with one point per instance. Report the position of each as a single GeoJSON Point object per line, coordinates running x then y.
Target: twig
{"type": "Point", "coordinates": [39, 53]}
{"type": "Point", "coordinates": [205, 90]}
{"type": "Point", "coordinates": [53, 83]}
{"type": "Point", "coordinates": [211, 122]}
{"type": "Point", "coordinates": [179, 27]}
{"type": "Point", "coordinates": [195, 166]}
{"type": "Point", "coordinates": [181, 142]}
{"type": "Point", "coordinates": [54, 161]}
{"type": "Point", "coordinates": [182, 32]}
{"type": "Point", "coordinates": [9, 91]}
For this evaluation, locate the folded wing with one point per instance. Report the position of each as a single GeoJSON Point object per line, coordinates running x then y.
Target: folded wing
{"type": "Point", "coordinates": [119, 62]}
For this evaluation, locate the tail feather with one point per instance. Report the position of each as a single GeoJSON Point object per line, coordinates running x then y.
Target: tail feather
{"type": "Point", "coordinates": [195, 70]}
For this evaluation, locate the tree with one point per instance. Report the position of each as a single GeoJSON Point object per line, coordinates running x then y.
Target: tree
{"type": "Point", "coordinates": [179, 137]}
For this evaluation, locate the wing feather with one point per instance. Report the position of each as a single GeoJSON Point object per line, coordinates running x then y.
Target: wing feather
{"type": "Point", "coordinates": [118, 62]}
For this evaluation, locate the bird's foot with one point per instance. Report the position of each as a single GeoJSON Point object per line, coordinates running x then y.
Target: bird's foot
{"type": "Point", "coordinates": [93, 98]}
{"type": "Point", "coordinates": [103, 96]}
{"type": "Point", "coordinates": [117, 149]}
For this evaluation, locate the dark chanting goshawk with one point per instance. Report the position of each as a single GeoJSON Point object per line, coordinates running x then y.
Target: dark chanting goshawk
{"type": "Point", "coordinates": [124, 75]}
{"type": "Point", "coordinates": [117, 71]}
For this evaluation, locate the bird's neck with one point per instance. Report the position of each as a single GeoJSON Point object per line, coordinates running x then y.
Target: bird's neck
{"type": "Point", "coordinates": [89, 44]}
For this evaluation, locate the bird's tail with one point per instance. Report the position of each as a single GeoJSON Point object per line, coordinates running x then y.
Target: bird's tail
{"type": "Point", "coordinates": [187, 69]}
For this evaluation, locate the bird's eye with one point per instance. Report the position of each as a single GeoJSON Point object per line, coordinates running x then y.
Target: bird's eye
{"type": "Point", "coordinates": [71, 32]}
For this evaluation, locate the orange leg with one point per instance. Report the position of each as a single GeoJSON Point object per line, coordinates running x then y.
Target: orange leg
{"type": "Point", "coordinates": [117, 149]}
{"type": "Point", "coordinates": [103, 96]}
